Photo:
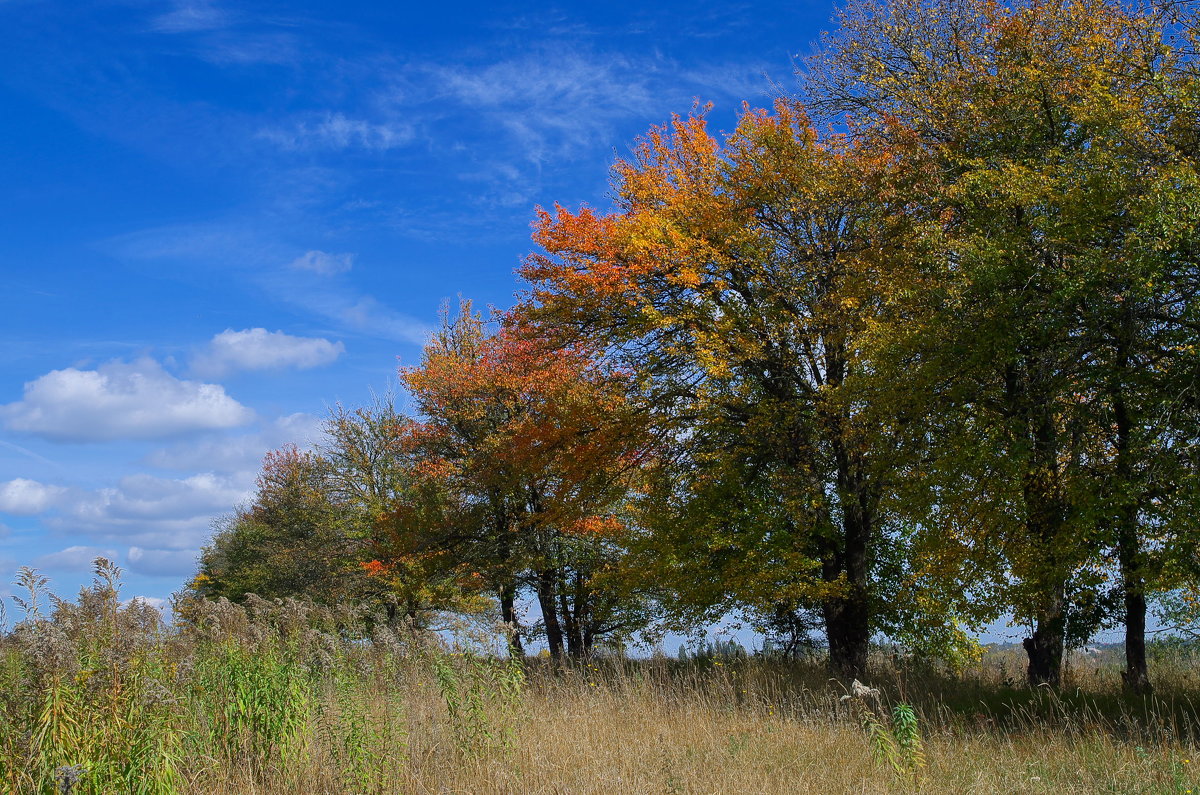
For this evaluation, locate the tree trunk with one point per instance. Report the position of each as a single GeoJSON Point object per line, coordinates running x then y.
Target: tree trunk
{"type": "Point", "coordinates": [1136, 676]}
{"type": "Point", "coordinates": [574, 615]}
{"type": "Point", "coordinates": [1045, 519]}
{"type": "Point", "coordinates": [508, 588]}
{"type": "Point", "coordinates": [570, 624]}
{"type": "Point", "coordinates": [848, 617]}
{"type": "Point", "coordinates": [1045, 647]}
{"type": "Point", "coordinates": [508, 614]}
{"type": "Point", "coordinates": [848, 629]}
{"type": "Point", "coordinates": [582, 608]}
{"type": "Point", "coordinates": [546, 582]}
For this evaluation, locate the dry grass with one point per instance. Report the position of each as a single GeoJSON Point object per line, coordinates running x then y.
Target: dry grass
{"type": "Point", "coordinates": [288, 698]}
{"type": "Point", "coordinates": [648, 734]}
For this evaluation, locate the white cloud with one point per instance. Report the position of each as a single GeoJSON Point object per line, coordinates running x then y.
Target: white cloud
{"type": "Point", "coordinates": [259, 349]}
{"type": "Point", "coordinates": [119, 400]}
{"type": "Point", "coordinates": [146, 498]}
{"type": "Point", "coordinates": [154, 512]}
{"type": "Point", "coordinates": [163, 562]}
{"type": "Point", "coordinates": [23, 496]}
{"type": "Point", "coordinates": [76, 558]}
{"type": "Point", "coordinates": [323, 262]}
{"type": "Point", "coordinates": [225, 453]}
{"type": "Point", "coordinates": [338, 131]}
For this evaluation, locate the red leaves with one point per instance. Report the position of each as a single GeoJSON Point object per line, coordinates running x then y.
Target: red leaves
{"type": "Point", "coordinates": [375, 568]}
{"type": "Point", "coordinates": [512, 413]}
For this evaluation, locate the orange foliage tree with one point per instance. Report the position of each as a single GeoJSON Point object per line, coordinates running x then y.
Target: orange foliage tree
{"type": "Point", "coordinates": [531, 451]}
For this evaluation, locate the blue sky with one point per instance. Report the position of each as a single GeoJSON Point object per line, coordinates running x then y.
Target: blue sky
{"type": "Point", "coordinates": [220, 219]}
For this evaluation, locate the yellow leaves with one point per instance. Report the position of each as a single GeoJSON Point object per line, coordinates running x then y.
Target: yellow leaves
{"type": "Point", "coordinates": [715, 365]}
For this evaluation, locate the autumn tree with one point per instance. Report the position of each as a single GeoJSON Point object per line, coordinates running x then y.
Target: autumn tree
{"type": "Point", "coordinates": [532, 448]}
{"type": "Point", "coordinates": [1055, 356]}
{"type": "Point", "coordinates": [292, 540]}
{"type": "Point", "coordinates": [738, 281]}
{"type": "Point", "coordinates": [377, 474]}
{"type": "Point", "coordinates": [317, 527]}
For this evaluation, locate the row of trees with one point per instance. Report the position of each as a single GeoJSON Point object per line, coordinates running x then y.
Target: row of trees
{"type": "Point", "coordinates": [923, 363]}
{"type": "Point", "coordinates": [513, 481]}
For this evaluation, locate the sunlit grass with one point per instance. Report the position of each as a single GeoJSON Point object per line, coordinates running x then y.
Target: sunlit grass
{"type": "Point", "coordinates": [285, 697]}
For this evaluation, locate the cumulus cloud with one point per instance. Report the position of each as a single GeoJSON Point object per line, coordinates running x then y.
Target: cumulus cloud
{"type": "Point", "coordinates": [23, 496]}
{"type": "Point", "coordinates": [138, 499]}
{"type": "Point", "coordinates": [225, 453]}
{"type": "Point", "coordinates": [152, 512]}
{"type": "Point", "coordinates": [76, 558]}
{"type": "Point", "coordinates": [120, 400]}
{"type": "Point", "coordinates": [259, 349]}
{"type": "Point", "coordinates": [323, 262]}
{"type": "Point", "coordinates": [162, 562]}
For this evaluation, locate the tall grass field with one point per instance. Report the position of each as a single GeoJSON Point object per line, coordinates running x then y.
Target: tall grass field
{"type": "Point", "coordinates": [97, 696]}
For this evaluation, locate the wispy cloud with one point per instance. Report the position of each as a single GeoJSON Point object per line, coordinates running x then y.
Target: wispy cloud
{"type": "Point", "coordinates": [25, 451]}
{"type": "Point", "coordinates": [544, 109]}
{"type": "Point", "coordinates": [343, 305]}
{"type": "Point", "coordinates": [363, 314]}
{"type": "Point", "coordinates": [235, 48]}
{"type": "Point", "coordinates": [323, 263]}
{"type": "Point", "coordinates": [142, 497]}
{"type": "Point", "coordinates": [229, 246]}
{"type": "Point", "coordinates": [227, 453]}
{"type": "Point", "coordinates": [553, 103]}
{"type": "Point", "coordinates": [265, 260]}
{"type": "Point", "coordinates": [189, 16]}
{"type": "Point", "coordinates": [152, 512]}
{"type": "Point", "coordinates": [156, 513]}
{"type": "Point", "coordinates": [337, 131]}
{"type": "Point", "coordinates": [152, 562]}
{"type": "Point", "coordinates": [163, 562]}
{"type": "Point", "coordinates": [74, 558]}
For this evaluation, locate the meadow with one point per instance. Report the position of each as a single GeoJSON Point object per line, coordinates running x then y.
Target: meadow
{"type": "Point", "coordinates": [282, 696]}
